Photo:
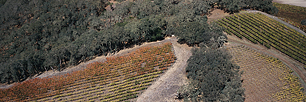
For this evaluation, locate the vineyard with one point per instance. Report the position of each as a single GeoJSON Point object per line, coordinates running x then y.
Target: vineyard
{"type": "Point", "coordinates": [292, 14]}
{"type": "Point", "coordinates": [265, 78]}
{"type": "Point", "coordinates": [118, 79]}
{"type": "Point", "coordinates": [261, 29]}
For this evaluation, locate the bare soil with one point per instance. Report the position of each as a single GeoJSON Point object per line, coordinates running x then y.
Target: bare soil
{"type": "Point", "coordinates": [296, 66]}
{"type": "Point", "coordinates": [216, 14]}
{"type": "Point", "coordinates": [165, 88]}
{"type": "Point", "coordinates": [258, 81]}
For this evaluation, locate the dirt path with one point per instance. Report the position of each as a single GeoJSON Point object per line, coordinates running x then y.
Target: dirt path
{"type": "Point", "coordinates": [291, 63]}
{"type": "Point", "coordinates": [165, 88]}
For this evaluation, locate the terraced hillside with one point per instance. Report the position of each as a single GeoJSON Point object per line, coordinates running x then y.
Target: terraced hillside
{"type": "Point", "coordinates": [265, 78]}
{"type": "Point", "coordinates": [261, 29]}
{"type": "Point", "coordinates": [117, 79]}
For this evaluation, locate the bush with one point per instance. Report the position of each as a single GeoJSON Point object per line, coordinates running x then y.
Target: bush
{"type": "Point", "coordinates": [212, 77]}
{"type": "Point", "coordinates": [45, 34]}
{"type": "Point", "coordinates": [2, 2]}
{"type": "Point", "coordinates": [303, 22]}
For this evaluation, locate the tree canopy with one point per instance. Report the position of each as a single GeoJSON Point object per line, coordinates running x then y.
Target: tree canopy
{"type": "Point", "coordinates": [212, 77]}
{"type": "Point", "coordinates": [303, 22]}
{"type": "Point", "coordinates": [40, 35]}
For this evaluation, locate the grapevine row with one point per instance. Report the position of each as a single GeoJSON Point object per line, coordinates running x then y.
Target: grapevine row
{"type": "Point", "coordinates": [259, 28]}
{"type": "Point", "coordinates": [117, 79]}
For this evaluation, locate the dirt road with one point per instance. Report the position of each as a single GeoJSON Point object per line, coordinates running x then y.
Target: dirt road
{"type": "Point", "coordinates": [291, 63]}
{"type": "Point", "coordinates": [165, 88]}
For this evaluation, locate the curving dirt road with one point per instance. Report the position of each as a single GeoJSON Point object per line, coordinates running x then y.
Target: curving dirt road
{"type": "Point", "coordinates": [291, 63]}
{"type": "Point", "coordinates": [165, 88]}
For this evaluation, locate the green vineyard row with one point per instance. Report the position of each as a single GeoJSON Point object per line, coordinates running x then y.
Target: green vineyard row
{"type": "Point", "coordinates": [266, 31]}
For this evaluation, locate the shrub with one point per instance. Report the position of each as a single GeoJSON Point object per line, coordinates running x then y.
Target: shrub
{"type": "Point", "coordinates": [211, 74]}
{"type": "Point", "coordinates": [303, 22]}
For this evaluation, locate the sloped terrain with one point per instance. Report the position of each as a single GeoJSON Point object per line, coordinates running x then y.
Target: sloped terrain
{"type": "Point", "coordinates": [261, 29]}
{"type": "Point", "coordinates": [165, 88]}
{"type": "Point", "coordinates": [266, 78]}
{"type": "Point", "coordinates": [117, 79]}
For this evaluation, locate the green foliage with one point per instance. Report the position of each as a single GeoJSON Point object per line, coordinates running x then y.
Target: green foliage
{"type": "Point", "coordinates": [259, 28]}
{"type": "Point", "coordinates": [194, 33]}
{"type": "Point", "coordinates": [236, 5]}
{"type": "Point", "coordinates": [212, 77]}
{"type": "Point", "coordinates": [2, 2]}
{"type": "Point", "coordinates": [303, 22]}
{"type": "Point", "coordinates": [231, 5]}
{"type": "Point", "coordinates": [40, 35]}
{"type": "Point", "coordinates": [262, 5]}
{"type": "Point", "coordinates": [121, 24]}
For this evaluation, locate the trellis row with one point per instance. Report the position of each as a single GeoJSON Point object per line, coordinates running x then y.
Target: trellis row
{"type": "Point", "coordinates": [259, 28]}
{"type": "Point", "coordinates": [117, 79]}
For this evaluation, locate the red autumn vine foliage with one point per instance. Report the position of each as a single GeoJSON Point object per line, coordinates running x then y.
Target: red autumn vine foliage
{"type": "Point", "coordinates": [140, 62]}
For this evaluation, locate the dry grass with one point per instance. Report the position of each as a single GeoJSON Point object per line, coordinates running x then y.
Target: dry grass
{"type": "Point", "coordinates": [266, 78]}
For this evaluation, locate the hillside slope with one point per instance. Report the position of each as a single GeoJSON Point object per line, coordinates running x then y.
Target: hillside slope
{"type": "Point", "coordinates": [250, 61]}
{"type": "Point", "coordinates": [120, 78]}
{"type": "Point", "coordinates": [165, 88]}
{"type": "Point", "coordinates": [97, 59]}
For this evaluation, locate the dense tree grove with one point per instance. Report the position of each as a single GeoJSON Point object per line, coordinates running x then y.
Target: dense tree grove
{"type": "Point", "coordinates": [236, 5]}
{"type": "Point", "coordinates": [40, 35]}
{"type": "Point", "coordinates": [212, 77]}
{"type": "Point", "coordinates": [2, 2]}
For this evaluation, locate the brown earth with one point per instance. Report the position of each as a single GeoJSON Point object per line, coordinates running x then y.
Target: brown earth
{"type": "Point", "coordinates": [165, 88]}
{"type": "Point", "coordinates": [296, 66]}
{"type": "Point", "coordinates": [260, 78]}
{"type": "Point", "coordinates": [216, 14]}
